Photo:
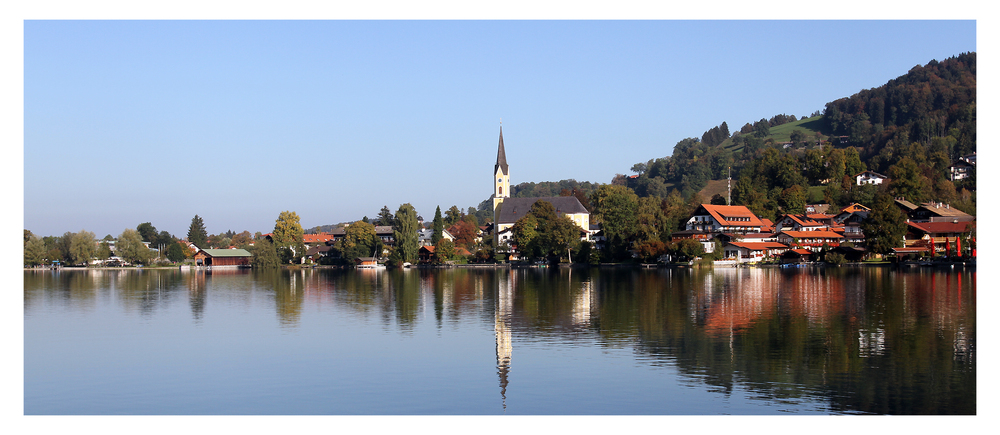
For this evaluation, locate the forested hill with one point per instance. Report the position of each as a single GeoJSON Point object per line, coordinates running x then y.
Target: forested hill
{"type": "Point", "coordinates": [930, 104]}
{"type": "Point", "coordinates": [910, 129]}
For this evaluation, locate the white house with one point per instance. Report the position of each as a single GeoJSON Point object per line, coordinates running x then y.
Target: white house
{"type": "Point", "coordinates": [751, 252]}
{"type": "Point", "coordinates": [869, 177]}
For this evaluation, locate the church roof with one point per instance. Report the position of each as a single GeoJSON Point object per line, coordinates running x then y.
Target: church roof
{"type": "Point", "coordinates": [512, 209]}
{"type": "Point", "coordinates": [501, 156]}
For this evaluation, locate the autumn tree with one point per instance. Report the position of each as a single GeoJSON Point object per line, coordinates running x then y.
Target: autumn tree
{"type": "Point", "coordinates": [465, 234]}
{"type": "Point", "coordinates": [360, 240]}
{"type": "Point", "coordinates": [242, 240]}
{"type": "Point", "coordinates": [444, 250]}
{"type": "Point", "coordinates": [287, 236]}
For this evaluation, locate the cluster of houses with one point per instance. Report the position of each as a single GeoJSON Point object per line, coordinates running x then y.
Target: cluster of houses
{"type": "Point", "coordinates": [745, 238]}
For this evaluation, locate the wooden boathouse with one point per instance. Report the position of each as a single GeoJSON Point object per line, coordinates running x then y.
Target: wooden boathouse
{"type": "Point", "coordinates": [222, 257]}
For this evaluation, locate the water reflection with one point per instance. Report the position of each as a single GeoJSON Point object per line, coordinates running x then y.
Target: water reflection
{"type": "Point", "coordinates": [868, 340]}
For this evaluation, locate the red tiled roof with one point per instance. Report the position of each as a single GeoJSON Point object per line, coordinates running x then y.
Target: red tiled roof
{"type": "Point", "coordinates": [316, 238]}
{"type": "Point", "coordinates": [759, 246]}
{"type": "Point", "coordinates": [940, 227]}
{"type": "Point", "coordinates": [766, 225]}
{"type": "Point", "coordinates": [803, 221]}
{"type": "Point", "coordinates": [723, 214]}
{"type": "Point", "coordinates": [813, 234]}
{"type": "Point", "coordinates": [801, 251]}
{"type": "Point", "coordinates": [854, 207]}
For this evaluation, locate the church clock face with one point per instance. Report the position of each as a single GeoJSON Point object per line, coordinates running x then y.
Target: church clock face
{"type": "Point", "coordinates": [499, 180]}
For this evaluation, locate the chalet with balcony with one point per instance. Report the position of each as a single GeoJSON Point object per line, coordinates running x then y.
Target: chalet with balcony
{"type": "Point", "coordinates": [800, 222]}
{"type": "Point", "coordinates": [811, 240]}
{"type": "Point", "coordinates": [870, 177]}
{"type": "Point", "coordinates": [943, 236]}
{"type": "Point", "coordinates": [963, 168]}
{"type": "Point", "coordinates": [711, 218]}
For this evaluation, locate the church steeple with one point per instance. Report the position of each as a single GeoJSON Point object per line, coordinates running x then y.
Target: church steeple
{"type": "Point", "coordinates": [501, 156]}
{"type": "Point", "coordinates": [501, 177]}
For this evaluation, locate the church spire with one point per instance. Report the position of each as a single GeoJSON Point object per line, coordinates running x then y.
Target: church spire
{"type": "Point", "coordinates": [501, 156]}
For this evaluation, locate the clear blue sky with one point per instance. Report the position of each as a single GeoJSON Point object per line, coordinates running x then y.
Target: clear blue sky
{"type": "Point", "coordinates": [236, 121]}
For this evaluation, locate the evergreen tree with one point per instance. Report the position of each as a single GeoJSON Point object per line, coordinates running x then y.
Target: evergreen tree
{"type": "Point", "coordinates": [385, 217]}
{"type": "Point", "coordinates": [175, 252]}
{"type": "Point", "coordinates": [196, 232]}
{"type": "Point", "coordinates": [438, 226]}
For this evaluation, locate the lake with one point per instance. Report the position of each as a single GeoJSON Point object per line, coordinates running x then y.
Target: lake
{"type": "Point", "coordinates": [465, 341]}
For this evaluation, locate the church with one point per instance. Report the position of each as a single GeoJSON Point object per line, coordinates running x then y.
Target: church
{"type": "Point", "coordinates": [507, 210]}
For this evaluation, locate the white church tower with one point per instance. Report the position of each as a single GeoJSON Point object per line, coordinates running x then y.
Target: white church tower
{"type": "Point", "coordinates": [501, 178]}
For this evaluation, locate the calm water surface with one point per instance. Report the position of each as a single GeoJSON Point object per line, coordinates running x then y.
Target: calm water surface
{"type": "Point", "coordinates": [522, 341]}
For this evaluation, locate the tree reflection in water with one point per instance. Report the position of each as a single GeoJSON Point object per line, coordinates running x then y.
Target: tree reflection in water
{"type": "Point", "coordinates": [866, 340]}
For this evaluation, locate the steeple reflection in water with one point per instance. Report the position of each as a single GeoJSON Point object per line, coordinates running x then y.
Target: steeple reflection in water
{"type": "Point", "coordinates": [505, 296]}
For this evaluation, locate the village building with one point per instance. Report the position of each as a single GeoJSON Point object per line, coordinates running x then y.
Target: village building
{"type": "Point", "coordinates": [811, 240]}
{"type": "Point", "coordinates": [798, 256]}
{"type": "Point", "coordinates": [943, 236]}
{"type": "Point", "coordinates": [711, 218]}
{"type": "Point", "coordinates": [793, 222]}
{"type": "Point", "coordinates": [314, 240]}
{"type": "Point", "coordinates": [905, 206]}
{"type": "Point", "coordinates": [817, 208]}
{"type": "Point", "coordinates": [223, 258]}
{"type": "Point", "coordinates": [870, 177]}
{"type": "Point", "coordinates": [507, 210]}
{"type": "Point", "coordinates": [425, 235]}
{"type": "Point", "coordinates": [751, 252]}
{"type": "Point", "coordinates": [939, 212]}
{"type": "Point", "coordinates": [963, 168]}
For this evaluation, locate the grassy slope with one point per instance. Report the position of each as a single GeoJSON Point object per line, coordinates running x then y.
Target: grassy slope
{"type": "Point", "coordinates": [783, 133]}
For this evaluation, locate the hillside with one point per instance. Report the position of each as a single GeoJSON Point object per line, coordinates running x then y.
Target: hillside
{"type": "Point", "coordinates": [912, 129]}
